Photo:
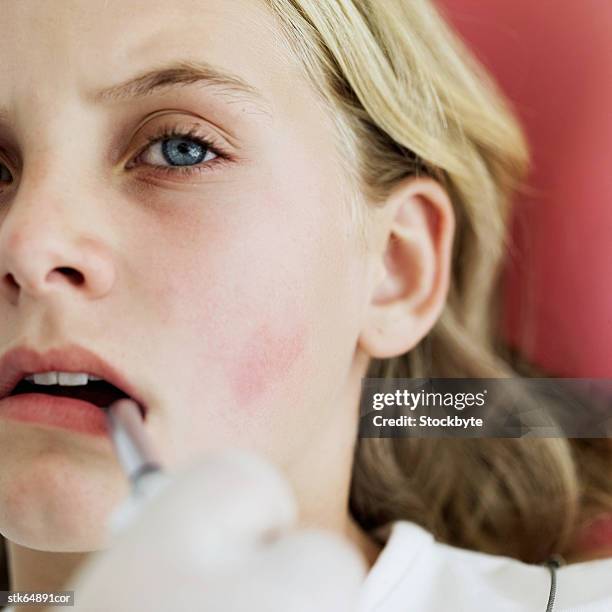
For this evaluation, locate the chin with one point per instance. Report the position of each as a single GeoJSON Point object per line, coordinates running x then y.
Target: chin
{"type": "Point", "coordinates": [50, 502]}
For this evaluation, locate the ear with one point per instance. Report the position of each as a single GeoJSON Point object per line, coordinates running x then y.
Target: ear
{"type": "Point", "coordinates": [414, 267]}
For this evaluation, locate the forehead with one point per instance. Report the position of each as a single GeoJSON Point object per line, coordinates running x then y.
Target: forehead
{"type": "Point", "coordinates": [57, 46]}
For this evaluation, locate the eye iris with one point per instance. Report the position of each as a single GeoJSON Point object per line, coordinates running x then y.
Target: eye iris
{"type": "Point", "coordinates": [182, 152]}
{"type": "Point", "coordinates": [5, 175]}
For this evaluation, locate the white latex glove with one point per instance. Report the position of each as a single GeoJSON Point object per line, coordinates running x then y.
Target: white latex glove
{"type": "Point", "coordinates": [219, 538]}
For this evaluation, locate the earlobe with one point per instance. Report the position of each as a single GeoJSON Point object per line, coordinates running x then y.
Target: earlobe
{"type": "Point", "coordinates": [414, 269]}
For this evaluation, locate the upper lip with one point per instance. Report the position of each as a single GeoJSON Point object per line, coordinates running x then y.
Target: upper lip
{"type": "Point", "coordinates": [24, 361]}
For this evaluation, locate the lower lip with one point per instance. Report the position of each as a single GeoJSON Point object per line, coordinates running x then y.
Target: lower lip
{"type": "Point", "coordinates": [63, 412]}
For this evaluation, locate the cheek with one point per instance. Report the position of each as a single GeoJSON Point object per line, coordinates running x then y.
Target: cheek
{"type": "Point", "coordinates": [266, 359]}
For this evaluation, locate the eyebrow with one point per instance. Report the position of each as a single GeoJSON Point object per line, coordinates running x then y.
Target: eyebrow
{"type": "Point", "coordinates": [180, 73]}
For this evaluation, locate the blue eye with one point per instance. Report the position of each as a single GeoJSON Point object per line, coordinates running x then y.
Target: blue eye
{"type": "Point", "coordinates": [177, 151]}
{"type": "Point", "coordinates": [5, 175]}
{"type": "Point", "coordinates": [182, 151]}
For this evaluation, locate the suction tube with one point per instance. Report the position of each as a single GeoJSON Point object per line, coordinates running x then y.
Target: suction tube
{"type": "Point", "coordinates": [137, 457]}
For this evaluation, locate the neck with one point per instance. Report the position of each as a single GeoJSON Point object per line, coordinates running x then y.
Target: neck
{"type": "Point", "coordinates": [368, 547]}
{"type": "Point", "coordinates": [36, 570]}
{"type": "Point", "coordinates": [322, 473]}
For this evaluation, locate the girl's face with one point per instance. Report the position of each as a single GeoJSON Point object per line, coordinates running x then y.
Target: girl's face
{"type": "Point", "coordinates": [225, 283]}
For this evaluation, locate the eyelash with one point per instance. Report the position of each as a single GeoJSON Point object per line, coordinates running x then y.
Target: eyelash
{"type": "Point", "coordinates": [193, 134]}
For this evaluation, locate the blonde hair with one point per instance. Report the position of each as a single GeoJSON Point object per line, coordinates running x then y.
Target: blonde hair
{"type": "Point", "coordinates": [409, 99]}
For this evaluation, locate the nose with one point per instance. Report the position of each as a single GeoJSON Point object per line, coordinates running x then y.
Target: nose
{"type": "Point", "coordinates": [46, 249]}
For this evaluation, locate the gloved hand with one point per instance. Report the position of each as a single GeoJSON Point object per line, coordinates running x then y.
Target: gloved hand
{"type": "Point", "coordinates": [221, 537]}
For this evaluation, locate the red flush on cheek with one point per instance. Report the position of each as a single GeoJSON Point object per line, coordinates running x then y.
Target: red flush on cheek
{"type": "Point", "coordinates": [265, 360]}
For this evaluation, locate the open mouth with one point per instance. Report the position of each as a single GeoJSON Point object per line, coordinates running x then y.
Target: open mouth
{"type": "Point", "coordinates": [97, 392]}
{"type": "Point", "coordinates": [72, 372]}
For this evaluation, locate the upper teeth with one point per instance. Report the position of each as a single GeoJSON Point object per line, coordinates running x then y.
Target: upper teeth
{"type": "Point", "coordinates": [62, 378]}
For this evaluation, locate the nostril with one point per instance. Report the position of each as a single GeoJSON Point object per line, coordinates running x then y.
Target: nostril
{"type": "Point", "coordinates": [9, 281]}
{"type": "Point", "coordinates": [74, 276]}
